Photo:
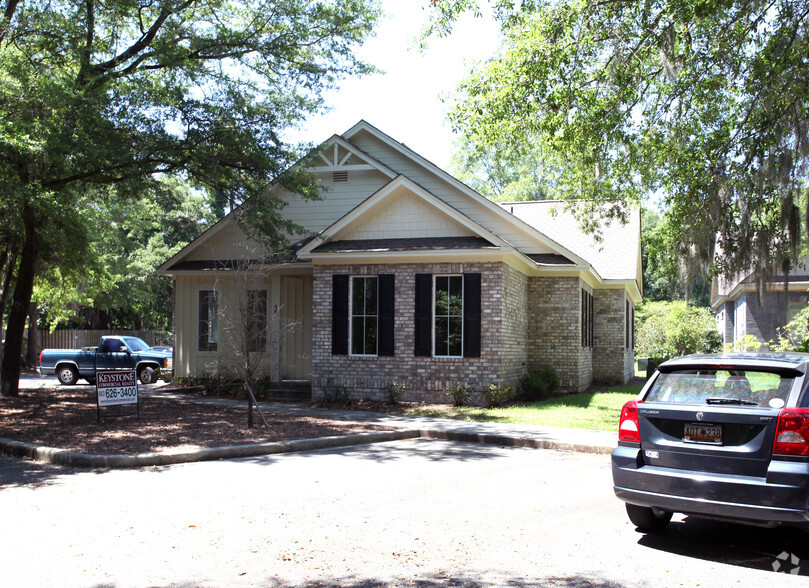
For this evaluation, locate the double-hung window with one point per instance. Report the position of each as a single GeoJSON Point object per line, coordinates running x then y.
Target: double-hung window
{"type": "Point", "coordinates": [363, 315]}
{"type": "Point", "coordinates": [447, 315]}
{"type": "Point", "coordinates": [208, 321]}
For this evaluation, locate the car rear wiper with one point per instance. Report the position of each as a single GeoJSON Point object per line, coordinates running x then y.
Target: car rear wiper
{"type": "Point", "coordinates": [730, 401]}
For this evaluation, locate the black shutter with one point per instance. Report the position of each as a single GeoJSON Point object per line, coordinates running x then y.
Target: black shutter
{"type": "Point", "coordinates": [471, 315]}
{"type": "Point", "coordinates": [387, 295]}
{"type": "Point", "coordinates": [423, 315]}
{"type": "Point", "coordinates": [339, 315]}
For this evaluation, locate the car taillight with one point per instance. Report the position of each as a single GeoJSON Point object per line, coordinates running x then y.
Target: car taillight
{"type": "Point", "coordinates": [40, 357]}
{"type": "Point", "coordinates": [792, 432]}
{"type": "Point", "coordinates": [629, 427]}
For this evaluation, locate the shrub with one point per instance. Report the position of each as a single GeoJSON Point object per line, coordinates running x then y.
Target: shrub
{"type": "Point", "coordinates": [394, 392]}
{"type": "Point", "coordinates": [747, 343]}
{"type": "Point", "coordinates": [459, 393]}
{"type": "Point", "coordinates": [794, 336]}
{"type": "Point", "coordinates": [336, 396]}
{"type": "Point", "coordinates": [670, 329]}
{"type": "Point", "coordinates": [497, 395]}
{"type": "Point", "coordinates": [539, 383]}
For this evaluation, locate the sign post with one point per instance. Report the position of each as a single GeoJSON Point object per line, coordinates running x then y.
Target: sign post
{"type": "Point", "coordinates": [115, 388]}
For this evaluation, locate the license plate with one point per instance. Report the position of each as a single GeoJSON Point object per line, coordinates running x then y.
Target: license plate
{"type": "Point", "coordinates": [702, 433]}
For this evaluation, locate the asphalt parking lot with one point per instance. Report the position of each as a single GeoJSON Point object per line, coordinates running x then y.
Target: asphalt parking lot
{"type": "Point", "coordinates": [407, 513]}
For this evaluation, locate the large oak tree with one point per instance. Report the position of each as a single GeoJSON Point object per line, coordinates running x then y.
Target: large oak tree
{"type": "Point", "coordinates": [99, 97]}
{"type": "Point", "coordinates": [703, 102]}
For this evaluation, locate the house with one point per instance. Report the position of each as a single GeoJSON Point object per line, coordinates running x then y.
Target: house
{"type": "Point", "coordinates": [414, 277]}
{"type": "Point", "coordinates": [741, 308]}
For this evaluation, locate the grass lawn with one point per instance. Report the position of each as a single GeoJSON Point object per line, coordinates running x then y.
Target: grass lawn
{"type": "Point", "coordinates": [600, 410]}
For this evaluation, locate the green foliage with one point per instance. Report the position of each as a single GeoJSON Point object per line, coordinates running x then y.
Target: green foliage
{"type": "Point", "coordinates": [116, 285]}
{"type": "Point", "coordinates": [460, 394]}
{"type": "Point", "coordinates": [669, 329]}
{"type": "Point", "coordinates": [668, 275]}
{"type": "Point", "coordinates": [496, 394]}
{"type": "Point", "coordinates": [336, 396]}
{"type": "Point", "coordinates": [794, 336]}
{"type": "Point", "coordinates": [599, 411]}
{"type": "Point", "coordinates": [99, 101]}
{"type": "Point", "coordinates": [394, 392]}
{"type": "Point", "coordinates": [502, 173]}
{"type": "Point", "coordinates": [747, 343]}
{"type": "Point", "coordinates": [702, 103]}
{"type": "Point", "coordinates": [539, 383]}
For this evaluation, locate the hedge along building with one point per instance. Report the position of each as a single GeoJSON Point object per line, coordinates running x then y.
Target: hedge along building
{"type": "Point", "coordinates": [409, 275]}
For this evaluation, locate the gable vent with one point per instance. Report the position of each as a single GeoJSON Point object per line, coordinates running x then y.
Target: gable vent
{"type": "Point", "coordinates": [339, 177]}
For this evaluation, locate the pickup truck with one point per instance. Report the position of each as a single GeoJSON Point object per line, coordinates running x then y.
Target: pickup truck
{"type": "Point", "coordinates": [112, 353]}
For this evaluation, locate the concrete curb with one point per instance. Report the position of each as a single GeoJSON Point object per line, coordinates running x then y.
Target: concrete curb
{"type": "Point", "coordinates": [508, 441]}
{"type": "Point", "coordinates": [53, 455]}
{"type": "Point", "coordinates": [56, 456]}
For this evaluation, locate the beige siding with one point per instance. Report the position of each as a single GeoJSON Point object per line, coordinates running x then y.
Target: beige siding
{"type": "Point", "coordinates": [336, 201]}
{"type": "Point", "coordinates": [228, 359]}
{"type": "Point", "coordinates": [407, 216]}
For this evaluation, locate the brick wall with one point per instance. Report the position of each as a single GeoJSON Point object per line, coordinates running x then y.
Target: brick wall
{"type": "Point", "coordinates": [526, 323]}
{"type": "Point", "coordinates": [613, 361]}
{"type": "Point", "coordinates": [555, 331]}
{"type": "Point", "coordinates": [425, 378]}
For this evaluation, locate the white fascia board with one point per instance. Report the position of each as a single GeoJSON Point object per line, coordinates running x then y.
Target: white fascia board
{"type": "Point", "coordinates": [492, 206]}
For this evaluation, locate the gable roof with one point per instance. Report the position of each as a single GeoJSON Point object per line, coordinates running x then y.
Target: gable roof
{"type": "Point", "coordinates": [468, 223]}
{"type": "Point", "coordinates": [456, 230]}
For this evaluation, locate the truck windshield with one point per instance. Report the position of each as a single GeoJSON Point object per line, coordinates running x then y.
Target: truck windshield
{"type": "Point", "coordinates": [135, 344]}
{"type": "Point", "coordinates": [712, 386]}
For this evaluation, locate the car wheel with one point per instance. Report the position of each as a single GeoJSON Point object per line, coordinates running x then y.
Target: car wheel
{"type": "Point", "coordinates": [647, 519]}
{"type": "Point", "coordinates": [147, 376]}
{"type": "Point", "coordinates": [67, 375]}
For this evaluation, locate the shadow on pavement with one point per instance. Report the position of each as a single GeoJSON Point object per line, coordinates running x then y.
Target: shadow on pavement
{"type": "Point", "coordinates": [782, 549]}
{"type": "Point", "coordinates": [15, 472]}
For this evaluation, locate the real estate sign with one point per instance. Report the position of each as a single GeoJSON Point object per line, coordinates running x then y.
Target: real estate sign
{"type": "Point", "coordinates": [118, 387]}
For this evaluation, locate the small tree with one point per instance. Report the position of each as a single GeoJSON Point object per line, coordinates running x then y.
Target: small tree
{"type": "Point", "coordinates": [250, 329]}
{"type": "Point", "coordinates": [669, 329]}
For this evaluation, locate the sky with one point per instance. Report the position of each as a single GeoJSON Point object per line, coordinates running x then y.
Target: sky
{"type": "Point", "coordinates": [405, 101]}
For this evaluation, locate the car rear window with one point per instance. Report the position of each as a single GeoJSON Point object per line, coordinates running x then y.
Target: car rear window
{"type": "Point", "coordinates": [715, 386]}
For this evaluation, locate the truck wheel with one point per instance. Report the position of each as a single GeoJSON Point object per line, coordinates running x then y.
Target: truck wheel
{"type": "Point", "coordinates": [147, 376]}
{"type": "Point", "coordinates": [67, 375]}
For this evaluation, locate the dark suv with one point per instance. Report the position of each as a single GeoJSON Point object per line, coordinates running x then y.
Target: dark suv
{"type": "Point", "coordinates": [722, 436]}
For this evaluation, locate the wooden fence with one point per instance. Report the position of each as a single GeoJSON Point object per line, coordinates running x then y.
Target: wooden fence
{"type": "Point", "coordinates": [74, 339]}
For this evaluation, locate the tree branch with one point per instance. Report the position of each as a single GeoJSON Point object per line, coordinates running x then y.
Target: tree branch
{"type": "Point", "coordinates": [8, 14]}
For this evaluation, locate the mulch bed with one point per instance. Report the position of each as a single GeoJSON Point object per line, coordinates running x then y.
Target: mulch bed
{"type": "Point", "coordinates": [67, 418]}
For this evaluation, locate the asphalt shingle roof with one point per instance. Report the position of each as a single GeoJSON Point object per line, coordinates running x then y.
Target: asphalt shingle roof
{"type": "Point", "coordinates": [614, 257]}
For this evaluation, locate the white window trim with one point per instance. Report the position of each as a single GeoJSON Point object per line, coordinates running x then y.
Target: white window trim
{"type": "Point", "coordinates": [463, 302]}
{"type": "Point", "coordinates": [351, 316]}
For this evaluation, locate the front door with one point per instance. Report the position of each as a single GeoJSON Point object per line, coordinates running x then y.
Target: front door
{"type": "Point", "coordinates": [296, 327]}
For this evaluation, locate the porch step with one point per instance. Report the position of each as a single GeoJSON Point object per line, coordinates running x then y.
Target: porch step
{"type": "Point", "coordinates": [290, 391]}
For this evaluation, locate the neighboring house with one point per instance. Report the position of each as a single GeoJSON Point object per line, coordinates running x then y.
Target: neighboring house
{"type": "Point", "coordinates": [740, 308]}
{"type": "Point", "coordinates": [416, 278]}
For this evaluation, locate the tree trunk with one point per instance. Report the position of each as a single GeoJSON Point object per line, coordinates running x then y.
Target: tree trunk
{"type": "Point", "coordinates": [18, 313]}
{"type": "Point", "coordinates": [8, 265]}
{"type": "Point", "coordinates": [31, 348]}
